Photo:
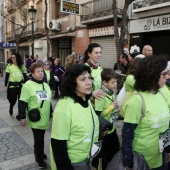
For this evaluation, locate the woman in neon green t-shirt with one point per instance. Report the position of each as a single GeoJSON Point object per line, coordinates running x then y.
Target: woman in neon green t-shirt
{"type": "Point", "coordinates": [15, 77]}
{"type": "Point", "coordinates": [75, 126]}
{"type": "Point", "coordinates": [91, 58]}
{"type": "Point", "coordinates": [142, 133]}
{"type": "Point", "coordinates": [36, 98]}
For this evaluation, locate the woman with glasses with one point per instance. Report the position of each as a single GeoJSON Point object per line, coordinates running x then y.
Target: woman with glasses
{"type": "Point", "coordinates": [48, 75]}
{"type": "Point", "coordinates": [145, 130]}
{"type": "Point", "coordinates": [15, 77]}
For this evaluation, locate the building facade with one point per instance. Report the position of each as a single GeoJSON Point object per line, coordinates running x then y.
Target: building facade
{"type": "Point", "coordinates": [72, 33]}
{"type": "Point", "coordinates": [150, 24]}
{"type": "Point", "coordinates": [71, 28]}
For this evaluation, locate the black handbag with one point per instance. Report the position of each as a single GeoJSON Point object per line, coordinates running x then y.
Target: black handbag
{"type": "Point", "coordinates": [34, 114]}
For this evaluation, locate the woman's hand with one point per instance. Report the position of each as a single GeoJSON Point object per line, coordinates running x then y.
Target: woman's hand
{"type": "Point", "coordinates": [127, 168]}
{"type": "Point", "coordinates": [99, 94]}
{"type": "Point", "coordinates": [167, 157]}
{"type": "Point", "coordinates": [5, 89]}
{"type": "Point", "coordinates": [23, 122]}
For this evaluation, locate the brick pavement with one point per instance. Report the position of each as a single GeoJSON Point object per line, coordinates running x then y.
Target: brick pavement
{"type": "Point", "coordinates": [16, 142]}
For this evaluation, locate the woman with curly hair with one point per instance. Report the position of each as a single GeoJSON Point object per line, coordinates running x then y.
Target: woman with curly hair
{"type": "Point", "coordinates": [75, 126]}
{"type": "Point", "coordinates": [142, 129]}
{"type": "Point", "coordinates": [15, 77]}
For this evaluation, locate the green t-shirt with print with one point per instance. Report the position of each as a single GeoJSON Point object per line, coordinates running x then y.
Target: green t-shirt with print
{"type": "Point", "coordinates": [96, 75]}
{"type": "Point", "coordinates": [155, 121]}
{"type": "Point", "coordinates": [30, 94]}
{"type": "Point", "coordinates": [73, 123]}
{"type": "Point", "coordinates": [15, 74]}
{"type": "Point", "coordinates": [103, 104]}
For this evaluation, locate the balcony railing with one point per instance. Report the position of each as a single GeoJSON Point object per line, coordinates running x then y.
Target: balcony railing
{"type": "Point", "coordinates": [96, 9]}
{"type": "Point", "coordinates": [27, 32]}
{"type": "Point", "coordinates": [147, 3]}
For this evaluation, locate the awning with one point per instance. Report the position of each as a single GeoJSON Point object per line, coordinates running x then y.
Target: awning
{"type": "Point", "coordinates": [63, 35]}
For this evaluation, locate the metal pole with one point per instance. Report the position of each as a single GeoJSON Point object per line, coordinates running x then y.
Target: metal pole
{"type": "Point", "coordinates": [32, 37]}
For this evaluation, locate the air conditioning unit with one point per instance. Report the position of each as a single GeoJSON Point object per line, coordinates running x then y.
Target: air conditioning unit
{"type": "Point", "coordinates": [54, 25]}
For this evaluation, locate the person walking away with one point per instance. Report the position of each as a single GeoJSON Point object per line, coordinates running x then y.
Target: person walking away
{"type": "Point", "coordinates": [14, 79]}
{"type": "Point", "coordinates": [70, 59]}
{"type": "Point", "coordinates": [35, 108]}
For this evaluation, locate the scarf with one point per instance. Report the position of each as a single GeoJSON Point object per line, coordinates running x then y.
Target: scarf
{"type": "Point", "coordinates": [94, 66]}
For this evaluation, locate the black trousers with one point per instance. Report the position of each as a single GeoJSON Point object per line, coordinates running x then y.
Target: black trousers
{"type": "Point", "coordinates": [38, 135]}
{"type": "Point", "coordinates": [13, 94]}
{"type": "Point", "coordinates": [57, 85]}
{"type": "Point", "coordinates": [110, 147]}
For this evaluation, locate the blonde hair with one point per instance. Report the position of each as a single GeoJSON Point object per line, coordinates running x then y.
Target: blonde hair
{"type": "Point", "coordinates": [71, 59]}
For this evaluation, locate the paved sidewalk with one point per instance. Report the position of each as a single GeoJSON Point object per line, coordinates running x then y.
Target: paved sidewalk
{"type": "Point", "coordinates": [16, 142]}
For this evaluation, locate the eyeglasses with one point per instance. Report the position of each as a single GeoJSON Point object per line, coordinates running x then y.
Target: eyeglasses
{"type": "Point", "coordinates": [46, 64]}
{"type": "Point", "coordinates": [165, 73]}
{"type": "Point", "coordinates": [13, 57]}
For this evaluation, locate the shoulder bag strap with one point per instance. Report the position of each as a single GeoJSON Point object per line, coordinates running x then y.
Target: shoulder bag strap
{"type": "Point", "coordinates": [143, 105]}
{"type": "Point", "coordinates": [92, 132]}
{"type": "Point", "coordinates": [43, 100]}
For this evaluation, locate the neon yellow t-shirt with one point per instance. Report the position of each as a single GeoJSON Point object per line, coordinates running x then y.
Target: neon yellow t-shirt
{"type": "Point", "coordinates": [15, 74]}
{"type": "Point", "coordinates": [47, 72]}
{"type": "Point", "coordinates": [129, 83]}
{"type": "Point", "coordinates": [96, 74]}
{"type": "Point", "coordinates": [29, 94]}
{"type": "Point", "coordinates": [103, 104]}
{"type": "Point", "coordinates": [73, 123]}
{"type": "Point", "coordinates": [155, 121]}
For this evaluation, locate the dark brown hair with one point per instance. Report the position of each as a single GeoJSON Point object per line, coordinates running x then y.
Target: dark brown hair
{"type": "Point", "coordinates": [108, 74]}
{"type": "Point", "coordinates": [34, 66]}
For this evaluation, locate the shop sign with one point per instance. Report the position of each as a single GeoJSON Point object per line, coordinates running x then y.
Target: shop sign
{"type": "Point", "coordinates": [70, 7]}
{"type": "Point", "coordinates": [7, 45]}
{"type": "Point", "coordinates": [150, 24]}
{"type": "Point", "coordinates": [101, 31]}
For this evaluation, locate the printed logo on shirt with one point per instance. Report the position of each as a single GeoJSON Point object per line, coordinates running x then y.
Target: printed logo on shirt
{"type": "Point", "coordinates": [16, 74]}
{"type": "Point", "coordinates": [159, 121]}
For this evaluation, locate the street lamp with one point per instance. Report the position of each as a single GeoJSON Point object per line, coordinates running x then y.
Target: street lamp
{"type": "Point", "coordinates": [32, 15]}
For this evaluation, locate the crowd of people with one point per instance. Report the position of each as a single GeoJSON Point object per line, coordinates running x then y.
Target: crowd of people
{"type": "Point", "coordinates": [84, 134]}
